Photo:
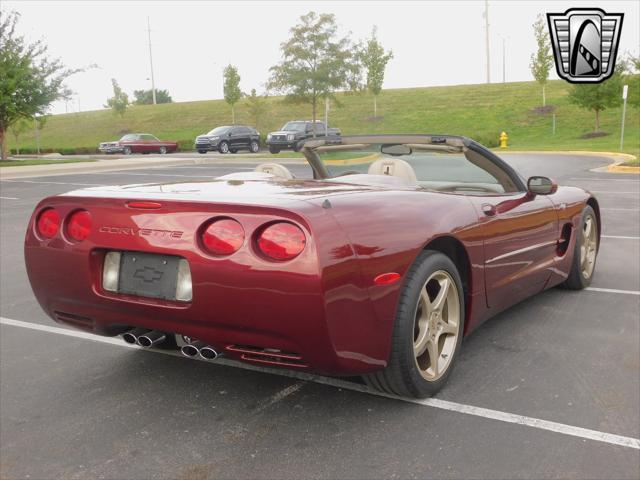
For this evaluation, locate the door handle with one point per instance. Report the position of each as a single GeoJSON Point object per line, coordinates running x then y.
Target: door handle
{"type": "Point", "coordinates": [488, 209]}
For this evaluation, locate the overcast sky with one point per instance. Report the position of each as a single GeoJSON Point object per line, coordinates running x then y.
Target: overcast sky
{"type": "Point", "coordinates": [434, 43]}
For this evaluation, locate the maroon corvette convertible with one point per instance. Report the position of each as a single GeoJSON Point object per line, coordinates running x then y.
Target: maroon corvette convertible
{"type": "Point", "coordinates": [398, 247]}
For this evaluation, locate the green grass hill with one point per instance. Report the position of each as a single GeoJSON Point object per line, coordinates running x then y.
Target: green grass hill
{"type": "Point", "coordinates": [477, 111]}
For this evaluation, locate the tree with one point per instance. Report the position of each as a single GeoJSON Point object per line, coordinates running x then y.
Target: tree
{"type": "Point", "coordinates": [542, 60]}
{"type": "Point", "coordinates": [232, 92]}
{"type": "Point", "coordinates": [599, 96]}
{"type": "Point", "coordinates": [120, 100]}
{"type": "Point", "coordinates": [633, 80]}
{"type": "Point", "coordinates": [315, 62]}
{"type": "Point", "coordinates": [17, 128]}
{"type": "Point", "coordinates": [29, 79]}
{"type": "Point", "coordinates": [257, 105]}
{"type": "Point", "coordinates": [374, 59]}
{"type": "Point", "coordinates": [145, 97]}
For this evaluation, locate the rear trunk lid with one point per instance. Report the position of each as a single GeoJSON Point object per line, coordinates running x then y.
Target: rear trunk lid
{"type": "Point", "coordinates": [228, 191]}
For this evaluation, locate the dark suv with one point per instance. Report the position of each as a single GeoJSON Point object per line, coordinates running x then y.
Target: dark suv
{"type": "Point", "coordinates": [293, 133]}
{"type": "Point", "coordinates": [229, 139]}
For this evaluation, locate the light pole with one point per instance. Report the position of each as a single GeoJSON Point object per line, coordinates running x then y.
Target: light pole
{"type": "Point", "coordinates": [504, 60]}
{"type": "Point", "coordinates": [153, 85]}
{"type": "Point", "coordinates": [486, 27]}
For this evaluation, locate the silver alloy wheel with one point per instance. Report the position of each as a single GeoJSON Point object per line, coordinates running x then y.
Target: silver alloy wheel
{"type": "Point", "coordinates": [127, 150]}
{"type": "Point", "coordinates": [588, 247]}
{"type": "Point", "coordinates": [254, 147]}
{"type": "Point", "coordinates": [436, 326]}
{"type": "Point", "coordinates": [224, 147]}
{"type": "Point", "coordinates": [163, 150]}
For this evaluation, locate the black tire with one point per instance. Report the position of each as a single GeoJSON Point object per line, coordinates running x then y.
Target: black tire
{"type": "Point", "coordinates": [296, 147]}
{"type": "Point", "coordinates": [577, 280]}
{"type": "Point", "coordinates": [254, 147]}
{"type": "Point", "coordinates": [202, 151]}
{"type": "Point", "coordinates": [274, 150]}
{"type": "Point", "coordinates": [233, 150]}
{"type": "Point", "coordinates": [402, 376]}
{"type": "Point", "coordinates": [126, 150]}
{"type": "Point", "coordinates": [223, 147]}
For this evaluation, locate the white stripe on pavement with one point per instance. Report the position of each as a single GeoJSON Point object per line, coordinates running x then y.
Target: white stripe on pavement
{"type": "Point", "coordinates": [506, 417]}
{"type": "Point", "coordinates": [611, 191]}
{"type": "Point", "coordinates": [9, 198]}
{"type": "Point", "coordinates": [622, 209]}
{"type": "Point", "coordinates": [613, 290]}
{"type": "Point", "coordinates": [56, 183]}
{"type": "Point", "coordinates": [606, 179]}
{"type": "Point", "coordinates": [620, 237]}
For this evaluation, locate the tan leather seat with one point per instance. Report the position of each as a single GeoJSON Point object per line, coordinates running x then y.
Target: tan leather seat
{"type": "Point", "coordinates": [276, 170]}
{"type": "Point", "coordinates": [394, 167]}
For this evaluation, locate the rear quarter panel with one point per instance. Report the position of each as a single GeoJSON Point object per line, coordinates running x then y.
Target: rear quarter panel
{"type": "Point", "coordinates": [386, 231]}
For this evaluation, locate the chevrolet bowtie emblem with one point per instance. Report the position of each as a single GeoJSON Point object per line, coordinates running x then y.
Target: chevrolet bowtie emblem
{"type": "Point", "coordinates": [148, 274]}
{"type": "Point", "coordinates": [585, 43]}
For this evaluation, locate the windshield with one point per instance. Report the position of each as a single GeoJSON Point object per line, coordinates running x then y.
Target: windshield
{"type": "Point", "coordinates": [129, 137]}
{"type": "Point", "coordinates": [295, 127]}
{"type": "Point", "coordinates": [219, 131]}
{"type": "Point", "coordinates": [434, 167]}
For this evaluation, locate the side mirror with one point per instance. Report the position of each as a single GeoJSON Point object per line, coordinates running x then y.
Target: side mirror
{"type": "Point", "coordinates": [541, 186]}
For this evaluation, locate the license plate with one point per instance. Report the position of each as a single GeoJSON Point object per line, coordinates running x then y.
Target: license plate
{"type": "Point", "coordinates": [148, 275]}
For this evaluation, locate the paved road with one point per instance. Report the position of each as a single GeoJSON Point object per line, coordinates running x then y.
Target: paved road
{"type": "Point", "coordinates": [75, 408]}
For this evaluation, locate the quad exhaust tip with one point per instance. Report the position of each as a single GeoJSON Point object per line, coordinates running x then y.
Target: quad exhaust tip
{"type": "Point", "coordinates": [149, 338]}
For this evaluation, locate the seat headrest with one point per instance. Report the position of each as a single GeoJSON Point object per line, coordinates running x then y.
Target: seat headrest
{"type": "Point", "coordinates": [276, 170]}
{"type": "Point", "coordinates": [393, 167]}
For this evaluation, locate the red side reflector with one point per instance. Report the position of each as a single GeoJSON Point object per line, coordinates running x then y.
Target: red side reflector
{"type": "Point", "coordinates": [144, 205]}
{"type": "Point", "coordinates": [386, 278]}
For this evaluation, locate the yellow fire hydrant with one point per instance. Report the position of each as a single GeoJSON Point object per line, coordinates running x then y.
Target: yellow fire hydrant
{"type": "Point", "coordinates": [503, 140]}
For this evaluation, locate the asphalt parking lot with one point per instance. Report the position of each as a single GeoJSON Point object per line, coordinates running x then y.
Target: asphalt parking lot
{"type": "Point", "coordinates": [547, 389]}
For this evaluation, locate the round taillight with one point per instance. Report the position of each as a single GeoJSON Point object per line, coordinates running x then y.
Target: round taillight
{"type": "Point", "coordinates": [79, 225]}
{"type": "Point", "coordinates": [48, 223]}
{"type": "Point", "coordinates": [223, 237]}
{"type": "Point", "coordinates": [282, 241]}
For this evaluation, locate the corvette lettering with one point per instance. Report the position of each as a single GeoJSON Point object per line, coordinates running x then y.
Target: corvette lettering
{"type": "Point", "coordinates": [143, 232]}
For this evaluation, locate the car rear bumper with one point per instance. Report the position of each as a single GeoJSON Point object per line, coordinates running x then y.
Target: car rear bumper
{"type": "Point", "coordinates": [237, 305]}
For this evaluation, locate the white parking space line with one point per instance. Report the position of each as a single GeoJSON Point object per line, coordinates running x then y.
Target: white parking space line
{"type": "Point", "coordinates": [584, 433]}
{"type": "Point", "coordinates": [613, 290]}
{"type": "Point", "coordinates": [621, 237]}
{"type": "Point", "coordinates": [9, 198]}
{"type": "Point", "coordinates": [55, 183]}
{"type": "Point", "coordinates": [621, 209]}
{"type": "Point", "coordinates": [614, 191]}
{"type": "Point", "coordinates": [636, 180]}
{"type": "Point", "coordinates": [167, 174]}
{"type": "Point", "coordinates": [281, 395]}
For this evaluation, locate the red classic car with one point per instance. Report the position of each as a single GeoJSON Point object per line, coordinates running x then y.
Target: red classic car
{"type": "Point", "coordinates": [138, 143]}
{"type": "Point", "coordinates": [378, 266]}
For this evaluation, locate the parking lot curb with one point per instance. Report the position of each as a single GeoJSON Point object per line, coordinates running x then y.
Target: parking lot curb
{"type": "Point", "coordinates": [615, 167]}
{"type": "Point", "coordinates": [11, 173]}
